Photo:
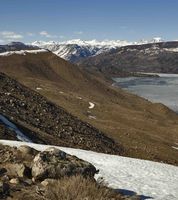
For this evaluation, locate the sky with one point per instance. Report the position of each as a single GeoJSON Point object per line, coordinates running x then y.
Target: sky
{"type": "Point", "coordinates": [61, 20]}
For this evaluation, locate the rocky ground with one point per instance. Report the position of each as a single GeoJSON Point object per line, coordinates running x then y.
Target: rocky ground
{"type": "Point", "coordinates": [6, 133]}
{"type": "Point", "coordinates": [45, 122]}
{"type": "Point", "coordinates": [49, 175]}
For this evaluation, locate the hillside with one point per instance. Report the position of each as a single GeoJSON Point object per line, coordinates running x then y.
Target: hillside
{"type": "Point", "coordinates": [145, 130]}
{"type": "Point", "coordinates": [158, 57]}
{"type": "Point", "coordinates": [41, 121]}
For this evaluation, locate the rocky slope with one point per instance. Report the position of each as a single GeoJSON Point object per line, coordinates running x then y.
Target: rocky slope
{"type": "Point", "coordinates": [47, 123]}
{"type": "Point", "coordinates": [145, 130]}
{"type": "Point", "coordinates": [158, 57]}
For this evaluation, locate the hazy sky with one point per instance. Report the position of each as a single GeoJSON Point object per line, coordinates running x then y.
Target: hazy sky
{"type": "Point", "coordinates": [30, 20]}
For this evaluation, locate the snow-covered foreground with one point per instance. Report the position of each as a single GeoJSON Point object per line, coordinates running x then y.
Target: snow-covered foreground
{"type": "Point", "coordinates": [149, 179]}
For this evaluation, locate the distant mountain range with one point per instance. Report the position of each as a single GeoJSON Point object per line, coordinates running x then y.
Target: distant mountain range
{"type": "Point", "coordinates": [74, 50]}
{"type": "Point", "coordinates": [109, 57]}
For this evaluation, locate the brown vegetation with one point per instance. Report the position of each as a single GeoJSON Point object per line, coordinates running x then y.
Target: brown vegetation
{"type": "Point", "coordinates": [70, 188]}
{"type": "Point", "coordinates": [146, 130]}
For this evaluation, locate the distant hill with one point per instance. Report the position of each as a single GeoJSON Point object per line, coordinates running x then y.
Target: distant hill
{"type": "Point", "coordinates": [154, 57]}
{"type": "Point", "coordinates": [16, 46]}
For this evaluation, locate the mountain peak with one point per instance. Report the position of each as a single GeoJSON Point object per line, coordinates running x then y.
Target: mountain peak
{"type": "Point", "coordinates": [76, 48]}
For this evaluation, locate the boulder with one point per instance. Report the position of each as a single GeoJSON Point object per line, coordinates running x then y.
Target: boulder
{"type": "Point", "coordinates": [54, 163]}
{"type": "Point", "coordinates": [17, 170]}
{"type": "Point", "coordinates": [24, 149]}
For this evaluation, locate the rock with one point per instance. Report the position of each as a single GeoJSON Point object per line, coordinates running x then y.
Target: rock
{"type": "Point", "coordinates": [26, 150]}
{"type": "Point", "coordinates": [4, 188]}
{"type": "Point", "coordinates": [54, 163]}
{"type": "Point", "coordinates": [33, 180]}
{"type": "Point", "coordinates": [14, 181]}
{"type": "Point", "coordinates": [47, 181]}
{"type": "Point", "coordinates": [28, 182]}
{"type": "Point", "coordinates": [2, 171]}
{"type": "Point", "coordinates": [17, 170]}
{"type": "Point", "coordinates": [5, 178]}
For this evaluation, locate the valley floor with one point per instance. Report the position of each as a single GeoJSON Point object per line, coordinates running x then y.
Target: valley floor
{"type": "Point", "coordinates": [149, 179]}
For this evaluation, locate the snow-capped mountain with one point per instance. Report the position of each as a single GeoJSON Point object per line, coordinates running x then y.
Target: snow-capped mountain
{"type": "Point", "coordinates": [73, 50]}
{"type": "Point", "coordinates": [76, 49]}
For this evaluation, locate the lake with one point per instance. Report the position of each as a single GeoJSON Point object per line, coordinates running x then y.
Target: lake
{"type": "Point", "coordinates": [162, 89]}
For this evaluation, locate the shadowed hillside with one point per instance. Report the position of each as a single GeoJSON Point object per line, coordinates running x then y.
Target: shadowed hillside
{"type": "Point", "coordinates": [159, 57]}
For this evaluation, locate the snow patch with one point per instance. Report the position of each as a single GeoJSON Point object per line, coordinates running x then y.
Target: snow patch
{"type": "Point", "coordinates": [160, 74]}
{"type": "Point", "coordinates": [79, 98]}
{"type": "Point", "coordinates": [146, 178]}
{"type": "Point", "coordinates": [14, 128]}
{"type": "Point", "coordinates": [91, 117]}
{"type": "Point", "coordinates": [172, 49]}
{"type": "Point", "coordinates": [91, 105]}
{"type": "Point", "coordinates": [23, 52]}
{"type": "Point", "coordinates": [38, 88]}
{"type": "Point", "coordinates": [175, 147]}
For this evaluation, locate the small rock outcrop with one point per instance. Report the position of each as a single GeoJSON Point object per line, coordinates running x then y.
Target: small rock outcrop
{"type": "Point", "coordinates": [16, 170]}
{"type": "Point", "coordinates": [54, 163]}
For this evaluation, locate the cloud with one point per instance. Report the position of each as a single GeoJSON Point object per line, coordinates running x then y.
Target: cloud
{"type": "Point", "coordinates": [61, 36]}
{"type": "Point", "coordinates": [1, 41]}
{"type": "Point", "coordinates": [30, 34]}
{"type": "Point", "coordinates": [78, 32]}
{"type": "Point", "coordinates": [47, 35]}
{"type": "Point", "coordinates": [10, 35]}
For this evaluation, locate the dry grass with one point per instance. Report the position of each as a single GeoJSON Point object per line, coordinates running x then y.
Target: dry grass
{"type": "Point", "coordinates": [69, 188]}
{"type": "Point", "coordinates": [79, 188]}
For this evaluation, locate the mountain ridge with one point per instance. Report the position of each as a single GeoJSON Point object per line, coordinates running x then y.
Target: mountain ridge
{"type": "Point", "coordinates": [158, 57]}
{"type": "Point", "coordinates": [74, 50]}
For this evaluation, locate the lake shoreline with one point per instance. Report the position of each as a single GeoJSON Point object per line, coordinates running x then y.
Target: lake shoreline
{"type": "Point", "coordinates": [162, 89]}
